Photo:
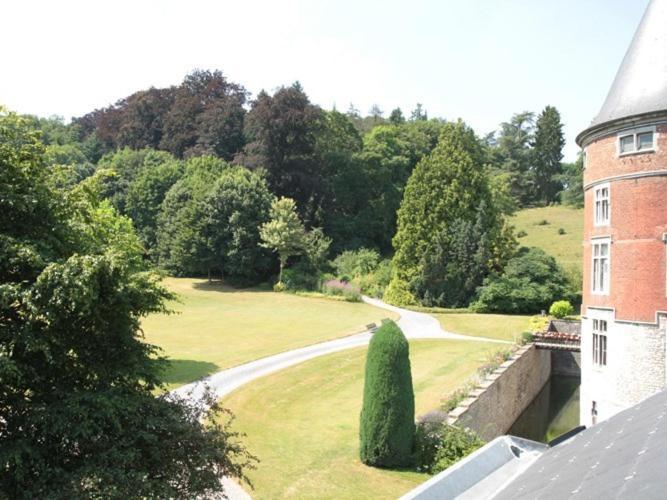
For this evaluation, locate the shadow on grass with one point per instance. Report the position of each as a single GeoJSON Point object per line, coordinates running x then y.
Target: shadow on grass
{"type": "Point", "coordinates": [184, 371]}
{"type": "Point", "coordinates": [220, 286]}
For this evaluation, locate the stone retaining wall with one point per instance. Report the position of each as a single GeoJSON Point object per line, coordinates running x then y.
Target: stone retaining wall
{"type": "Point", "coordinates": [492, 408]}
{"type": "Point", "coordinates": [566, 363]}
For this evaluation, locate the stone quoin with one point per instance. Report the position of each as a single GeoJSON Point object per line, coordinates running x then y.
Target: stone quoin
{"type": "Point", "coordinates": [624, 310]}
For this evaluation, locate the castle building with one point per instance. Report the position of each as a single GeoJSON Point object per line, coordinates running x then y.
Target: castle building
{"type": "Point", "coordinates": [624, 310]}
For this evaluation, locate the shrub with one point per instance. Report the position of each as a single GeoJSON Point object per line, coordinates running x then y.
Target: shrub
{"type": "Point", "coordinates": [455, 398]}
{"type": "Point", "coordinates": [538, 324]}
{"type": "Point", "coordinates": [561, 308]}
{"type": "Point", "coordinates": [340, 288]}
{"type": "Point", "coordinates": [355, 263]}
{"type": "Point", "coordinates": [398, 293]}
{"type": "Point", "coordinates": [387, 421]}
{"type": "Point", "coordinates": [279, 287]}
{"type": "Point", "coordinates": [376, 282]}
{"type": "Point", "coordinates": [439, 445]}
{"type": "Point", "coordinates": [300, 277]}
{"type": "Point", "coordinates": [530, 282]}
{"type": "Point", "coordinates": [526, 337]}
{"type": "Point", "coordinates": [521, 234]}
{"type": "Point", "coordinates": [543, 222]}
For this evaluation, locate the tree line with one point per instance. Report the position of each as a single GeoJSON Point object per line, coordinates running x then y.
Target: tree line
{"type": "Point", "coordinates": [197, 167]}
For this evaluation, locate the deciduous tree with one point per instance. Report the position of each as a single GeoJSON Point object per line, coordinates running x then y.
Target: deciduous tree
{"type": "Point", "coordinates": [284, 233]}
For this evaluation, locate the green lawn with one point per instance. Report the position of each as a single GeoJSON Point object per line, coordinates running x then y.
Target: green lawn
{"type": "Point", "coordinates": [219, 327]}
{"type": "Point", "coordinates": [566, 248]}
{"type": "Point", "coordinates": [495, 326]}
{"type": "Point", "coordinates": [303, 422]}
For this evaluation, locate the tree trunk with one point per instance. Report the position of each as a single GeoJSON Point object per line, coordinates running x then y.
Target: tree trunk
{"type": "Point", "coordinates": [280, 275]}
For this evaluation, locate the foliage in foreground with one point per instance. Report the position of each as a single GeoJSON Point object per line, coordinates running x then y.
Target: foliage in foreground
{"type": "Point", "coordinates": [387, 425]}
{"type": "Point", "coordinates": [439, 445]}
{"type": "Point", "coordinates": [78, 417]}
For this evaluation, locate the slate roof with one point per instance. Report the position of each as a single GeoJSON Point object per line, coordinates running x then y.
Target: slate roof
{"type": "Point", "coordinates": [623, 457]}
{"type": "Point", "coordinates": [641, 82]}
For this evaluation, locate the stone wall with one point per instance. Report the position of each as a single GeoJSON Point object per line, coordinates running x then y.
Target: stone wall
{"type": "Point", "coordinates": [636, 365]}
{"type": "Point", "coordinates": [566, 363]}
{"type": "Point", "coordinates": [494, 406]}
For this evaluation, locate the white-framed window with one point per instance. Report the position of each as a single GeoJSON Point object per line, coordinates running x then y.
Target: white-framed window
{"type": "Point", "coordinates": [601, 250]}
{"type": "Point", "coordinates": [599, 342]}
{"type": "Point", "coordinates": [601, 205]}
{"type": "Point", "coordinates": [640, 140]}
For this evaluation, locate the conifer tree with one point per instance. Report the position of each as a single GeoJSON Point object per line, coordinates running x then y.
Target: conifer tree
{"type": "Point", "coordinates": [387, 426]}
{"type": "Point", "coordinates": [446, 189]}
{"type": "Point", "coordinates": [547, 155]}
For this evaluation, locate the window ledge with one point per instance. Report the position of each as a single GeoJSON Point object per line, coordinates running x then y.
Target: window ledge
{"type": "Point", "coordinates": [634, 153]}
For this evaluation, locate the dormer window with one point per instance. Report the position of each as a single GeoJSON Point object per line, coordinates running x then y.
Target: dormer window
{"type": "Point", "coordinates": [637, 141]}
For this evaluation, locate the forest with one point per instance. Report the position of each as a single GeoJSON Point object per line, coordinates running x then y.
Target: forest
{"type": "Point", "coordinates": [196, 167]}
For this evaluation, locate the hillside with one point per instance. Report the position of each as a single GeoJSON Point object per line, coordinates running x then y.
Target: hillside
{"type": "Point", "coordinates": [567, 247]}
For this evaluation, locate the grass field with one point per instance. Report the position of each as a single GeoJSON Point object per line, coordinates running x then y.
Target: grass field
{"type": "Point", "coordinates": [303, 422]}
{"type": "Point", "coordinates": [219, 327]}
{"type": "Point", "coordinates": [566, 248]}
{"type": "Point", "coordinates": [495, 326]}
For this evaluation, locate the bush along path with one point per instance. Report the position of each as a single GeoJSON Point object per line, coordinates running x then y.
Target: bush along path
{"type": "Point", "coordinates": [415, 325]}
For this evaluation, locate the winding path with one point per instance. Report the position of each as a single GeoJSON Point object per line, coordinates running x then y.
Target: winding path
{"type": "Point", "coordinates": [415, 325]}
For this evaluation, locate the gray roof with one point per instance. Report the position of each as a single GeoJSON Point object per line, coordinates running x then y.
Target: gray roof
{"type": "Point", "coordinates": [623, 457]}
{"type": "Point", "coordinates": [565, 326]}
{"type": "Point", "coordinates": [641, 82]}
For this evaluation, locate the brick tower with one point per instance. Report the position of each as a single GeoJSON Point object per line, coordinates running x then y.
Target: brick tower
{"type": "Point", "coordinates": [624, 311]}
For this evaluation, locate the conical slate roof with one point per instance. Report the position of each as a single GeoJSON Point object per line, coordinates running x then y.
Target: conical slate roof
{"type": "Point", "coordinates": [641, 82]}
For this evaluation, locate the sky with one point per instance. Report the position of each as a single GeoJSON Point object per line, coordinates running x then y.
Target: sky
{"type": "Point", "coordinates": [478, 60]}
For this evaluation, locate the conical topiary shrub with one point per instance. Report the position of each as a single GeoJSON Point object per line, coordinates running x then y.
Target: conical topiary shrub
{"type": "Point", "coordinates": [387, 426]}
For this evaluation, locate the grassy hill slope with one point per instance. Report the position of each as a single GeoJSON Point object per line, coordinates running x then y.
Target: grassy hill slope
{"type": "Point", "coordinates": [567, 247]}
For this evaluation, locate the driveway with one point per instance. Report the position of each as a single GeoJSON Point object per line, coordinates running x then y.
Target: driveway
{"type": "Point", "coordinates": [415, 325]}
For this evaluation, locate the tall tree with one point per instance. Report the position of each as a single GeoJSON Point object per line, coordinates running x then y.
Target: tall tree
{"type": "Point", "coordinates": [513, 155]}
{"type": "Point", "coordinates": [284, 233]}
{"type": "Point", "coordinates": [387, 421]}
{"type": "Point", "coordinates": [281, 131]}
{"type": "Point", "coordinates": [419, 113]}
{"type": "Point", "coordinates": [78, 413]}
{"type": "Point", "coordinates": [396, 117]}
{"type": "Point", "coordinates": [376, 113]}
{"type": "Point", "coordinates": [547, 155]}
{"type": "Point", "coordinates": [184, 246]}
{"type": "Point", "coordinates": [449, 187]}
{"type": "Point", "coordinates": [389, 155]}
{"type": "Point", "coordinates": [234, 210]}
{"type": "Point", "coordinates": [203, 115]}
{"type": "Point", "coordinates": [145, 195]}
{"type": "Point", "coordinates": [572, 180]}
{"type": "Point", "coordinates": [206, 116]}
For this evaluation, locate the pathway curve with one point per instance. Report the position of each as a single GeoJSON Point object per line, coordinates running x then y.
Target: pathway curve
{"type": "Point", "coordinates": [415, 325]}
